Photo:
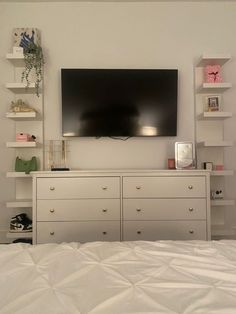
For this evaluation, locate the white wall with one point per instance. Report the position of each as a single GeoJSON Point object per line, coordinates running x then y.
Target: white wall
{"type": "Point", "coordinates": [119, 35]}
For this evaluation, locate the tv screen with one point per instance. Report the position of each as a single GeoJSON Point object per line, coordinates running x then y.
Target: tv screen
{"type": "Point", "coordinates": [119, 102]}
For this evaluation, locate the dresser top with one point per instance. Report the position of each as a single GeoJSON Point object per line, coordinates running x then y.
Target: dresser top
{"type": "Point", "coordinates": [120, 172]}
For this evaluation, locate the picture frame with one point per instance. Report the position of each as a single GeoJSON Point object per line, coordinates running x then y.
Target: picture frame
{"type": "Point", "coordinates": [213, 103]}
{"type": "Point", "coordinates": [184, 155]}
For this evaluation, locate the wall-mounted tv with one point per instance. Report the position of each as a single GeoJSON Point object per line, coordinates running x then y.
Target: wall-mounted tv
{"type": "Point", "coordinates": [119, 102]}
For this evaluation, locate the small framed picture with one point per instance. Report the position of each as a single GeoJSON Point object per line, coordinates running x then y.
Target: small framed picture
{"type": "Point", "coordinates": [213, 103]}
{"type": "Point", "coordinates": [184, 155]}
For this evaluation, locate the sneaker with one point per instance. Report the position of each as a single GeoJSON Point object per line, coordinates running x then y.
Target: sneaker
{"type": "Point", "coordinates": [21, 223]}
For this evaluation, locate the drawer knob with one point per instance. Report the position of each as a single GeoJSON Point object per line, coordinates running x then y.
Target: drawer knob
{"type": "Point", "coordinates": [138, 187]}
{"type": "Point", "coordinates": [191, 231]}
{"type": "Point", "coordinates": [104, 232]}
{"type": "Point", "coordinates": [52, 233]}
{"type": "Point", "coordinates": [138, 209]}
{"type": "Point", "coordinates": [104, 210]}
{"type": "Point", "coordinates": [52, 210]}
{"type": "Point", "coordinates": [190, 209]}
{"type": "Point", "coordinates": [139, 232]}
{"type": "Point", "coordinates": [190, 187]}
{"type": "Point", "coordinates": [104, 188]}
{"type": "Point", "coordinates": [52, 188]}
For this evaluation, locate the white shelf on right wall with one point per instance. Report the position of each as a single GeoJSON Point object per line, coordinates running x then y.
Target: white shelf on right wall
{"type": "Point", "coordinates": [210, 139]}
{"type": "Point", "coordinates": [221, 115]}
{"type": "Point", "coordinates": [222, 173]}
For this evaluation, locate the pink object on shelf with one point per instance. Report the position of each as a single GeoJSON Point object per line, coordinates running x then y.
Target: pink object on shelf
{"type": "Point", "coordinates": [23, 137]}
{"type": "Point", "coordinates": [171, 163]}
{"type": "Point", "coordinates": [213, 74]}
{"type": "Point", "coordinates": [219, 167]}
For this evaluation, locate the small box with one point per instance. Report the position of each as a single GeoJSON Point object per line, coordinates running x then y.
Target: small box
{"type": "Point", "coordinates": [23, 137]}
{"type": "Point", "coordinates": [219, 167]}
{"type": "Point", "coordinates": [18, 50]}
{"type": "Point", "coordinates": [208, 165]}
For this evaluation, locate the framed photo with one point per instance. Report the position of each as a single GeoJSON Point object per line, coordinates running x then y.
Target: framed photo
{"type": "Point", "coordinates": [213, 103]}
{"type": "Point", "coordinates": [184, 155]}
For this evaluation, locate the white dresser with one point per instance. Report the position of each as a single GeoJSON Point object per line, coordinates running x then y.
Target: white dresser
{"type": "Point", "coordinates": [117, 205]}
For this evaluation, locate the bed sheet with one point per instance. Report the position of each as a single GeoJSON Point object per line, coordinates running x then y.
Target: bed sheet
{"type": "Point", "coordinates": [119, 277]}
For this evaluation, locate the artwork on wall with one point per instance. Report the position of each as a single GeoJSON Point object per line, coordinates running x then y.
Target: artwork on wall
{"type": "Point", "coordinates": [213, 103]}
{"type": "Point", "coordinates": [22, 37]}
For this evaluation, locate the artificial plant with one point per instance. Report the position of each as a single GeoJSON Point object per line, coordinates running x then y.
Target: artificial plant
{"type": "Point", "coordinates": [34, 61]}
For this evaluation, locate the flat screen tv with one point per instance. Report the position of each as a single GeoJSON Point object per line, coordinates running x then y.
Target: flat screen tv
{"type": "Point", "coordinates": [119, 102]}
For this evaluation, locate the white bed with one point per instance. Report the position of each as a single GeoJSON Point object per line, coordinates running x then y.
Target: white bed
{"type": "Point", "coordinates": [113, 277]}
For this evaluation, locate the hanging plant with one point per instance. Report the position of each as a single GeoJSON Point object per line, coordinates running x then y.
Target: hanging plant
{"type": "Point", "coordinates": [34, 61]}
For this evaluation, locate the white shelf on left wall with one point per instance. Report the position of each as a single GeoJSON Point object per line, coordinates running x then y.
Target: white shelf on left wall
{"type": "Point", "coordinates": [19, 235]}
{"type": "Point", "coordinates": [30, 122]}
{"type": "Point", "coordinates": [21, 144]}
{"type": "Point", "coordinates": [19, 203]}
{"type": "Point", "coordinates": [17, 59]}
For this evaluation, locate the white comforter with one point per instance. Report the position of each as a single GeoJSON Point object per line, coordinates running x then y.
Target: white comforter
{"type": "Point", "coordinates": [112, 277]}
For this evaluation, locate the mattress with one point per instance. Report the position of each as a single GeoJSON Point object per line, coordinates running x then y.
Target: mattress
{"type": "Point", "coordinates": [119, 277]}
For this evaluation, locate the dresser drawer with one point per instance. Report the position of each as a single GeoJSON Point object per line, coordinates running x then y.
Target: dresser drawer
{"type": "Point", "coordinates": [134, 187]}
{"type": "Point", "coordinates": [164, 209]}
{"type": "Point", "coordinates": [74, 188]}
{"type": "Point", "coordinates": [58, 232]}
{"type": "Point", "coordinates": [164, 230]}
{"type": "Point", "coordinates": [72, 210]}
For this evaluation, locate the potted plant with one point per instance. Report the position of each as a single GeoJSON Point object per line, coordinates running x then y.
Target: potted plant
{"type": "Point", "coordinates": [34, 61]}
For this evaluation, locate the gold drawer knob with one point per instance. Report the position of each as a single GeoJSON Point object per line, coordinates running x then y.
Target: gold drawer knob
{"type": "Point", "coordinates": [52, 233]}
{"type": "Point", "coordinates": [190, 187]}
{"type": "Point", "coordinates": [104, 210]}
{"type": "Point", "coordinates": [104, 188]}
{"type": "Point", "coordinates": [52, 188]}
{"type": "Point", "coordinates": [139, 232]}
{"type": "Point", "coordinates": [138, 209]}
{"type": "Point", "coordinates": [104, 232]}
{"type": "Point", "coordinates": [138, 187]}
{"type": "Point", "coordinates": [190, 209]}
{"type": "Point", "coordinates": [191, 231]}
{"type": "Point", "coordinates": [52, 210]}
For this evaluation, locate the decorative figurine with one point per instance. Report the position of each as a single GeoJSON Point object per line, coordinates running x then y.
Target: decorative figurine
{"type": "Point", "coordinates": [20, 106]}
{"type": "Point", "coordinates": [213, 74]}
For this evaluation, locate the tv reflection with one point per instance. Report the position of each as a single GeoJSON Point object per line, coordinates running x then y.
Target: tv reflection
{"type": "Point", "coordinates": [110, 120]}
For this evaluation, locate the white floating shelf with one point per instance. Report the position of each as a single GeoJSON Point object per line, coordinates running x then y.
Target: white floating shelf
{"type": "Point", "coordinates": [222, 173]}
{"type": "Point", "coordinates": [21, 115]}
{"type": "Point", "coordinates": [214, 87]}
{"type": "Point", "coordinates": [21, 88]}
{"type": "Point", "coordinates": [19, 203]}
{"type": "Point", "coordinates": [211, 59]}
{"type": "Point", "coordinates": [215, 115]}
{"type": "Point", "coordinates": [19, 235]}
{"type": "Point", "coordinates": [216, 144]}
{"type": "Point", "coordinates": [18, 175]}
{"type": "Point", "coordinates": [17, 59]}
{"type": "Point", "coordinates": [21, 144]}
{"type": "Point", "coordinates": [222, 202]}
